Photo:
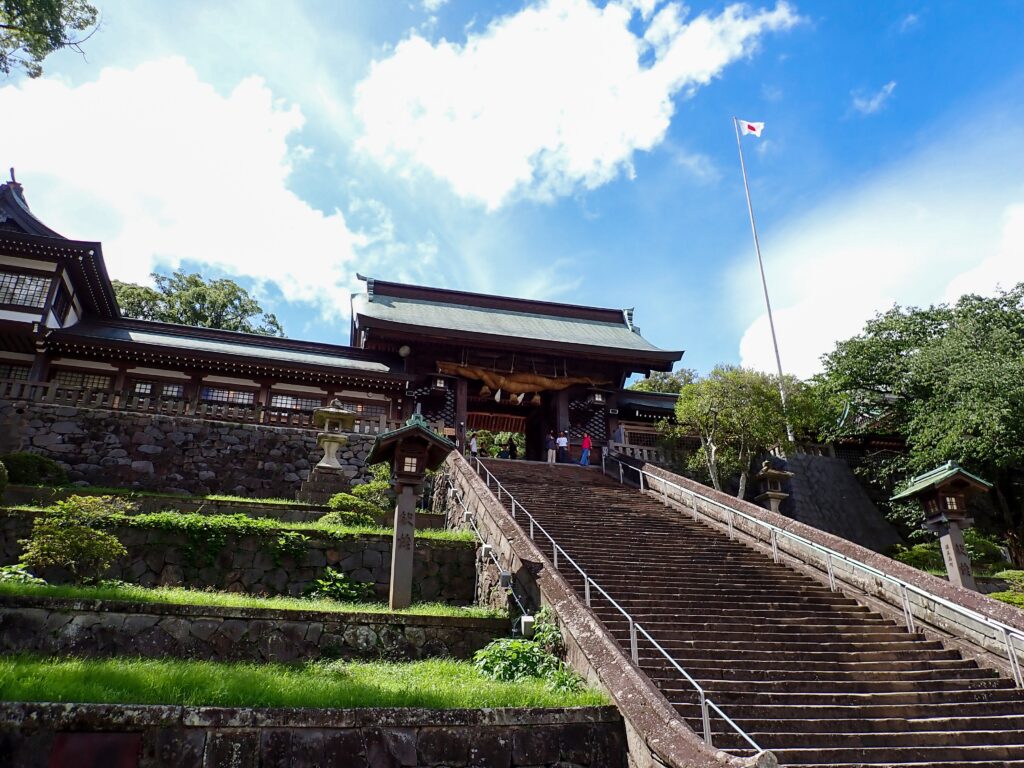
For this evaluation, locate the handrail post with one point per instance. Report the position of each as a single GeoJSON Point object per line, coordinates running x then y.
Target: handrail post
{"type": "Point", "coordinates": [775, 546]}
{"type": "Point", "coordinates": [586, 589]}
{"type": "Point", "coordinates": [705, 717]}
{"type": "Point", "coordinates": [620, 473]}
{"type": "Point", "coordinates": [908, 615]}
{"type": "Point", "coordinates": [554, 552]}
{"type": "Point", "coordinates": [633, 648]}
{"type": "Point", "coordinates": [1011, 654]}
{"type": "Point", "coordinates": [664, 491]}
{"type": "Point", "coordinates": [831, 572]}
{"type": "Point", "coordinates": [693, 505]}
{"type": "Point", "coordinates": [732, 533]}
{"type": "Point", "coordinates": [641, 473]}
{"type": "Point", "coordinates": [531, 528]}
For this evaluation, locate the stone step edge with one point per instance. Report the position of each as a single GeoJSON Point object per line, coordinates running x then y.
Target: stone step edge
{"type": "Point", "coordinates": [77, 605]}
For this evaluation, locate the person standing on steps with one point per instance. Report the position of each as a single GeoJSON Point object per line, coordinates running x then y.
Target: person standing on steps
{"type": "Point", "coordinates": [563, 448]}
{"type": "Point", "coordinates": [472, 445]}
{"type": "Point", "coordinates": [585, 450]}
{"type": "Point", "coordinates": [550, 444]}
{"type": "Point", "coordinates": [513, 452]}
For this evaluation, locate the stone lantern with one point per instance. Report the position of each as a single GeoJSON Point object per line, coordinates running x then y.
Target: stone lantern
{"type": "Point", "coordinates": [410, 451]}
{"type": "Point", "coordinates": [943, 493]}
{"type": "Point", "coordinates": [770, 481]}
{"type": "Point", "coordinates": [327, 477]}
{"type": "Point", "coordinates": [335, 421]}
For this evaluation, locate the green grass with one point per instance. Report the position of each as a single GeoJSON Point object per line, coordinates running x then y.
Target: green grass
{"type": "Point", "coordinates": [268, 525]}
{"type": "Point", "coordinates": [1010, 597]}
{"type": "Point", "coordinates": [180, 596]}
{"type": "Point", "coordinates": [435, 684]}
{"type": "Point", "coordinates": [103, 490]}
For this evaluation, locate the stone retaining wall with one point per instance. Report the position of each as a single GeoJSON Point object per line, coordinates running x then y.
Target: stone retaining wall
{"type": "Point", "coordinates": [63, 736]}
{"type": "Point", "coordinates": [443, 570]}
{"type": "Point", "coordinates": [171, 453]}
{"type": "Point", "coordinates": [108, 628]}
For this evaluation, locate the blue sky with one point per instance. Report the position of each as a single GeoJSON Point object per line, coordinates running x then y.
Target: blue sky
{"type": "Point", "coordinates": [565, 149]}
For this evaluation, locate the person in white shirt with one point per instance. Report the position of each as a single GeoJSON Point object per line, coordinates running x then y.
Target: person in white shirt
{"type": "Point", "coordinates": [472, 445]}
{"type": "Point", "coordinates": [563, 448]}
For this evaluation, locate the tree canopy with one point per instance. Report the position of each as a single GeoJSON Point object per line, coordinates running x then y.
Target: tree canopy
{"type": "Point", "coordinates": [30, 30]}
{"type": "Point", "coordinates": [660, 381]}
{"type": "Point", "coordinates": [948, 379]}
{"type": "Point", "coordinates": [737, 414]}
{"type": "Point", "coordinates": [192, 300]}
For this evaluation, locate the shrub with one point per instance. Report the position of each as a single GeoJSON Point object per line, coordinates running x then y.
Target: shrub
{"type": "Point", "coordinates": [1014, 578]}
{"type": "Point", "coordinates": [983, 549]}
{"type": "Point", "coordinates": [349, 510]}
{"type": "Point", "coordinates": [926, 557]}
{"type": "Point", "coordinates": [546, 633]}
{"type": "Point", "coordinates": [18, 574]}
{"type": "Point", "coordinates": [377, 493]}
{"type": "Point", "coordinates": [26, 468]}
{"type": "Point", "coordinates": [510, 659]}
{"type": "Point", "coordinates": [335, 585]}
{"type": "Point", "coordinates": [70, 535]}
{"type": "Point", "coordinates": [516, 659]}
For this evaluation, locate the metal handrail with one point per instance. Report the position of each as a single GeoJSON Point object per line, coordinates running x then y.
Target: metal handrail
{"type": "Point", "coordinates": [1007, 632]}
{"type": "Point", "coordinates": [457, 495]}
{"type": "Point", "coordinates": [635, 629]}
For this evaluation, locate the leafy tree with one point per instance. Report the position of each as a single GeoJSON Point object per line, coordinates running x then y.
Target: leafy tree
{"type": "Point", "coordinates": [950, 381]}
{"type": "Point", "coordinates": [660, 381]}
{"type": "Point", "coordinates": [737, 414]}
{"type": "Point", "coordinates": [30, 30]}
{"type": "Point", "coordinates": [191, 300]}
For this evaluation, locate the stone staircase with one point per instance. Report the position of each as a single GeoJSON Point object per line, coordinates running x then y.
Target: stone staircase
{"type": "Point", "coordinates": [808, 673]}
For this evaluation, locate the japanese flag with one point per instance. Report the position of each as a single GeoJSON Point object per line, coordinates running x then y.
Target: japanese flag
{"type": "Point", "coordinates": [748, 128]}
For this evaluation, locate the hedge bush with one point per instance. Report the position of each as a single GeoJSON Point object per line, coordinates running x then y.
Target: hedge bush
{"type": "Point", "coordinates": [24, 468]}
{"type": "Point", "coordinates": [346, 509]}
{"type": "Point", "coordinates": [69, 535]}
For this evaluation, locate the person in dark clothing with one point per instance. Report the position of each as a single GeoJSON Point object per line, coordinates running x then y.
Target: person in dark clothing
{"type": "Point", "coordinates": [550, 446]}
{"type": "Point", "coordinates": [513, 452]}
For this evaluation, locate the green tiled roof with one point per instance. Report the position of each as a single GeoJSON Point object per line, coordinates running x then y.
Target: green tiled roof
{"type": "Point", "coordinates": [502, 322]}
{"type": "Point", "coordinates": [935, 477]}
{"type": "Point", "coordinates": [260, 348]}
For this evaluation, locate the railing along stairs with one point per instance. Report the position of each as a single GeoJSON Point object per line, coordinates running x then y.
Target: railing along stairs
{"type": "Point", "coordinates": [559, 556]}
{"type": "Point", "coordinates": [1010, 638]}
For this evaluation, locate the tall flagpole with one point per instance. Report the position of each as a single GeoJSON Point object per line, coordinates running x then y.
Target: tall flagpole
{"type": "Point", "coordinates": [764, 282]}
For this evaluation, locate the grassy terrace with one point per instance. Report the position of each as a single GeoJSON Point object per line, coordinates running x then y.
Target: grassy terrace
{"type": "Point", "coordinates": [435, 684]}
{"type": "Point", "coordinates": [242, 525]}
{"type": "Point", "coordinates": [179, 596]}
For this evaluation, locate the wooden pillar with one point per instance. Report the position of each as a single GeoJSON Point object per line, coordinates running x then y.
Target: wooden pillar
{"type": "Point", "coordinates": [461, 412]}
{"type": "Point", "coordinates": [195, 387]}
{"type": "Point", "coordinates": [40, 370]}
{"type": "Point", "coordinates": [562, 410]}
{"type": "Point", "coordinates": [263, 401]}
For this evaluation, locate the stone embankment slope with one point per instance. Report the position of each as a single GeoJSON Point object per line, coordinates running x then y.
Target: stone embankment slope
{"type": "Point", "coordinates": [810, 674]}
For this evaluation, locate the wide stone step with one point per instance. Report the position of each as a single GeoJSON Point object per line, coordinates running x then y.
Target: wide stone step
{"type": "Point", "coordinates": [781, 715]}
{"type": "Point", "coordinates": [838, 687]}
{"type": "Point", "coordinates": [768, 666]}
{"type": "Point", "coordinates": [666, 673]}
{"type": "Point", "coordinates": [897, 755]}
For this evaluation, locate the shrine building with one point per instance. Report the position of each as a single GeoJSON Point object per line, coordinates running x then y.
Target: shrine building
{"type": "Point", "coordinates": [466, 361]}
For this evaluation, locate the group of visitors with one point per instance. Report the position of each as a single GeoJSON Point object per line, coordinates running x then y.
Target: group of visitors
{"type": "Point", "coordinates": [557, 448]}
{"type": "Point", "coordinates": [510, 451]}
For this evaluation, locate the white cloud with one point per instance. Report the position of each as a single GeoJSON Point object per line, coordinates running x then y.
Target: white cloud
{"type": "Point", "coordinates": [871, 103]}
{"type": "Point", "coordinates": [162, 168]}
{"type": "Point", "coordinates": [948, 220]}
{"type": "Point", "coordinates": [430, 6]}
{"type": "Point", "coordinates": [556, 97]}
{"type": "Point", "coordinates": [909, 21]}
